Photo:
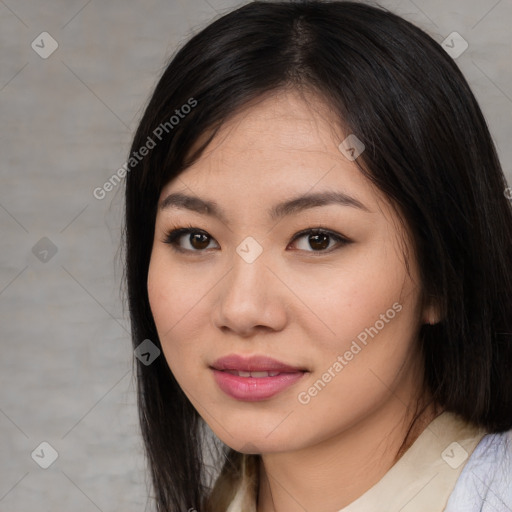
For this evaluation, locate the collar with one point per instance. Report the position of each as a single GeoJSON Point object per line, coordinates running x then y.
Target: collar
{"type": "Point", "coordinates": [420, 481]}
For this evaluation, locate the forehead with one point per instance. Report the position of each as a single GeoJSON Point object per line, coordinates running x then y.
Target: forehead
{"type": "Point", "coordinates": [279, 147]}
{"type": "Point", "coordinates": [282, 139]}
{"type": "Point", "coordinates": [282, 121]}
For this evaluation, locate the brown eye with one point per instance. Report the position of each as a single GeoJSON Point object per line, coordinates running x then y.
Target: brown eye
{"type": "Point", "coordinates": [197, 240]}
{"type": "Point", "coordinates": [319, 240]}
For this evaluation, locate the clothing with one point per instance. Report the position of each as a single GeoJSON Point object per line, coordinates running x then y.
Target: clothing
{"type": "Point", "coordinates": [485, 484]}
{"type": "Point", "coordinates": [451, 467]}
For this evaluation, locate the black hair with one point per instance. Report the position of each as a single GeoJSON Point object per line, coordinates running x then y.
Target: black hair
{"type": "Point", "coordinates": [428, 148]}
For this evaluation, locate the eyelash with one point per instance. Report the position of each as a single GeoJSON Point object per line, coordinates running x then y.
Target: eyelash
{"type": "Point", "coordinates": [173, 236]}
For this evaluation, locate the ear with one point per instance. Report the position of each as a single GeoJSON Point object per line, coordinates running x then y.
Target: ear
{"type": "Point", "coordinates": [431, 314]}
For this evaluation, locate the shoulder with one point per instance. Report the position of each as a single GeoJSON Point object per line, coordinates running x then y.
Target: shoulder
{"type": "Point", "coordinates": [485, 484]}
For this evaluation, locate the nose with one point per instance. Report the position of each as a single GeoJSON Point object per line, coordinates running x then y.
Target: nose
{"type": "Point", "coordinates": [250, 298]}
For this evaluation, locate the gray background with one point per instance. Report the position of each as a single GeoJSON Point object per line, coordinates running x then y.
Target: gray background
{"type": "Point", "coordinates": [66, 126]}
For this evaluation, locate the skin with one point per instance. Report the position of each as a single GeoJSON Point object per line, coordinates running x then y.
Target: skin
{"type": "Point", "coordinates": [296, 303]}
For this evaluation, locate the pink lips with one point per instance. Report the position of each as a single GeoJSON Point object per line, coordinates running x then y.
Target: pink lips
{"type": "Point", "coordinates": [254, 388]}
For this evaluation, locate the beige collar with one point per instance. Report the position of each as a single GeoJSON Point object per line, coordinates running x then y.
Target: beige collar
{"type": "Point", "coordinates": [421, 481]}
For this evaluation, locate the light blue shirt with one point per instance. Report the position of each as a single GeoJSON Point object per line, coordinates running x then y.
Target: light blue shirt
{"type": "Point", "coordinates": [485, 484]}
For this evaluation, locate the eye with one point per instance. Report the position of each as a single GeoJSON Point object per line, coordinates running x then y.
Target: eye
{"type": "Point", "coordinates": [197, 240]}
{"type": "Point", "coordinates": [320, 239]}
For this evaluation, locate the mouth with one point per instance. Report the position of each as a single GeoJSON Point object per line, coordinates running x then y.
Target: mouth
{"type": "Point", "coordinates": [254, 364]}
{"type": "Point", "coordinates": [254, 378]}
{"type": "Point", "coordinates": [256, 375]}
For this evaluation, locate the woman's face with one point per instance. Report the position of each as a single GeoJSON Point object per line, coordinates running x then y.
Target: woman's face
{"type": "Point", "coordinates": [343, 316]}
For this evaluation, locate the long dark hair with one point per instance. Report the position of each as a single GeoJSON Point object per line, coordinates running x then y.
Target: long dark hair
{"type": "Point", "coordinates": [428, 148]}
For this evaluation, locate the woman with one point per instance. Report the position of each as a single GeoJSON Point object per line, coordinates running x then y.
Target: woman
{"type": "Point", "coordinates": [319, 243]}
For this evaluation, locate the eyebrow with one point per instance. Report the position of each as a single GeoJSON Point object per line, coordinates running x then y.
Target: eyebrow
{"type": "Point", "coordinates": [278, 211]}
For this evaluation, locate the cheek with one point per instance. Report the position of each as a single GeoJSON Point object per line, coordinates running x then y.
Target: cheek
{"type": "Point", "coordinates": [346, 300]}
{"type": "Point", "coordinates": [370, 308]}
{"type": "Point", "coordinates": [178, 302]}
{"type": "Point", "coordinates": [166, 296]}
{"type": "Point", "coordinates": [171, 290]}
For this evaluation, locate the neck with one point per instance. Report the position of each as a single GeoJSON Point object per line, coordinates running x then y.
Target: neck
{"type": "Point", "coordinates": [332, 474]}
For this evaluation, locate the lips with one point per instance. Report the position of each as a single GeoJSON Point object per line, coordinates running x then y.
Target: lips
{"type": "Point", "coordinates": [256, 375]}
{"type": "Point", "coordinates": [253, 364]}
{"type": "Point", "coordinates": [254, 378]}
